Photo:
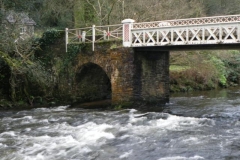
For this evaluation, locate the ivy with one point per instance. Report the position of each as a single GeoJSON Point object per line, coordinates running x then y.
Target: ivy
{"type": "Point", "coordinates": [73, 50]}
{"type": "Point", "coordinates": [50, 37]}
{"type": "Point", "coordinates": [221, 69]}
{"type": "Point", "coordinates": [233, 66]}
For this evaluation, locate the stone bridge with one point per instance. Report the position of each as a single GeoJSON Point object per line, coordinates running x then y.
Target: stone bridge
{"type": "Point", "coordinates": [123, 74]}
{"type": "Point", "coordinates": [139, 69]}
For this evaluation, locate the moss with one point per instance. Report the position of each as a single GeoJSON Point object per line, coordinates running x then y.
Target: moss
{"type": "Point", "coordinates": [123, 105]}
{"type": "Point", "coordinates": [178, 68]}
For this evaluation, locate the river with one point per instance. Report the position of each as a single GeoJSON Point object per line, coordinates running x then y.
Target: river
{"type": "Point", "coordinates": [195, 126]}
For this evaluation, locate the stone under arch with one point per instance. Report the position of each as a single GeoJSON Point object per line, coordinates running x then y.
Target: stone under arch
{"type": "Point", "coordinates": [92, 83]}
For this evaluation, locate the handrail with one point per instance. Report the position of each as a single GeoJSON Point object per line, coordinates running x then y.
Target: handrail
{"type": "Point", "coordinates": [93, 34]}
{"type": "Point", "coordinates": [189, 21]}
{"type": "Point", "coordinates": [126, 31]}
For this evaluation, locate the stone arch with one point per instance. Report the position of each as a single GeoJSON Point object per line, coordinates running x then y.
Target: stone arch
{"type": "Point", "coordinates": [92, 83]}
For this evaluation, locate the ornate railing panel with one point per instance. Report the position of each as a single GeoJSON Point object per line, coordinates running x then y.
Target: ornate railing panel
{"type": "Point", "coordinates": [187, 35]}
{"type": "Point", "coordinates": [204, 30]}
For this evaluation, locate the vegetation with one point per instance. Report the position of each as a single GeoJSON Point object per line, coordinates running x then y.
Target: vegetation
{"type": "Point", "coordinates": [204, 70]}
{"type": "Point", "coordinates": [29, 73]}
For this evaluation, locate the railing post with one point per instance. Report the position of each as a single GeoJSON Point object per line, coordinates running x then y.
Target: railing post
{"type": "Point", "coordinates": [108, 33]}
{"type": "Point", "coordinates": [79, 33]}
{"type": "Point", "coordinates": [93, 37]}
{"type": "Point", "coordinates": [104, 34]}
{"type": "Point", "coordinates": [83, 36]}
{"type": "Point", "coordinates": [220, 34]}
{"type": "Point", "coordinates": [66, 37]}
{"type": "Point", "coordinates": [238, 32]}
{"type": "Point", "coordinates": [127, 35]}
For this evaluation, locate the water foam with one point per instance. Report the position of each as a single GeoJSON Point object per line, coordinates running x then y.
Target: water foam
{"type": "Point", "coordinates": [126, 154]}
{"type": "Point", "coordinates": [70, 140]}
{"type": "Point", "coordinates": [90, 132]}
{"type": "Point", "coordinates": [182, 158]}
{"type": "Point", "coordinates": [62, 133]}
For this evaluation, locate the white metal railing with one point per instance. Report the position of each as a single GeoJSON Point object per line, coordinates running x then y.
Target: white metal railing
{"type": "Point", "coordinates": [204, 30]}
{"type": "Point", "coordinates": [187, 35]}
{"type": "Point", "coordinates": [93, 34]}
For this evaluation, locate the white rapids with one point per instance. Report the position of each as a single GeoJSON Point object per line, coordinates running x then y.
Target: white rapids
{"type": "Point", "coordinates": [63, 133]}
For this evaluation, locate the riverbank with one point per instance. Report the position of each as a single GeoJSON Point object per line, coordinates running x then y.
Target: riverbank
{"type": "Point", "coordinates": [204, 70]}
{"type": "Point", "coordinates": [189, 71]}
{"type": "Point", "coordinates": [21, 105]}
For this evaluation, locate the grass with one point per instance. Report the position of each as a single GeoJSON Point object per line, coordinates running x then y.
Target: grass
{"type": "Point", "coordinates": [178, 68]}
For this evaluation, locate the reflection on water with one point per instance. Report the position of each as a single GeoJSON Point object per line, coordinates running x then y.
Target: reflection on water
{"type": "Point", "coordinates": [200, 125]}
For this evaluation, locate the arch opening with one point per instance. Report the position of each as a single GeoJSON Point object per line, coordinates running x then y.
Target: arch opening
{"type": "Point", "coordinates": [92, 83]}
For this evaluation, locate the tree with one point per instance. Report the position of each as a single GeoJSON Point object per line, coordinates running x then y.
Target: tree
{"type": "Point", "coordinates": [18, 54]}
{"type": "Point", "coordinates": [98, 12]}
{"type": "Point", "coordinates": [57, 13]}
{"type": "Point", "coordinates": [221, 7]}
{"type": "Point", "coordinates": [153, 10]}
{"type": "Point", "coordinates": [83, 14]}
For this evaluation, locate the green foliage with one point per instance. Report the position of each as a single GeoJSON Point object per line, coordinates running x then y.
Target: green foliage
{"type": "Point", "coordinates": [79, 16]}
{"type": "Point", "coordinates": [43, 52]}
{"type": "Point", "coordinates": [50, 37]}
{"type": "Point", "coordinates": [220, 68]}
{"type": "Point", "coordinates": [23, 5]}
{"type": "Point", "coordinates": [221, 7]}
{"type": "Point", "coordinates": [118, 107]}
{"type": "Point", "coordinates": [30, 76]}
{"type": "Point", "coordinates": [113, 46]}
{"type": "Point", "coordinates": [73, 49]}
{"type": "Point", "coordinates": [84, 14]}
{"type": "Point", "coordinates": [80, 13]}
{"type": "Point", "coordinates": [205, 70]}
{"type": "Point", "coordinates": [232, 63]}
{"type": "Point", "coordinates": [234, 52]}
{"type": "Point", "coordinates": [123, 105]}
{"type": "Point", "coordinates": [178, 68]}
{"type": "Point", "coordinates": [70, 56]}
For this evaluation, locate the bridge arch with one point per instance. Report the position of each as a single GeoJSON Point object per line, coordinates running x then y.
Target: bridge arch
{"type": "Point", "coordinates": [92, 83]}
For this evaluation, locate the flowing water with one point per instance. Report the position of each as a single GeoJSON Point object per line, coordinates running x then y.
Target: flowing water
{"type": "Point", "coordinates": [196, 126]}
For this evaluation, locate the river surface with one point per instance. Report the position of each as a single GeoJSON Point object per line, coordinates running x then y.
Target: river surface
{"type": "Point", "coordinates": [195, 126]}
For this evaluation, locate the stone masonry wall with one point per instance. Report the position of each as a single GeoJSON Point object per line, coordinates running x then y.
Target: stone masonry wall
{"type": "Point", "coordinates": [151, 80]}
{"type": "Point", "coordinates": [134, 75]}
{"type": "Point", "coordinates": [118, 65]}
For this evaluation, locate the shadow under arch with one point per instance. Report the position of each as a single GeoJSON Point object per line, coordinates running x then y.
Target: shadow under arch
{"type": "Point", "coordinates": [92, 83]}
{"type": "Point", "coordinates": [5, 74]}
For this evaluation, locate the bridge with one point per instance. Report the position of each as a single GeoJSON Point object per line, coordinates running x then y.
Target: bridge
{"type": "Point", "coordinates": [144, 54]}
{"type": "Point", "coordinates": [193, 31]}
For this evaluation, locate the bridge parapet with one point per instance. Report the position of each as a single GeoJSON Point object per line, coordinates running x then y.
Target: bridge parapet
{"type": "Point", "coordinates": [93, 34]}
{"type": "Point", "coordinates": [225, 33]}
{"type": "Point", "coordinates": [192, 31]}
